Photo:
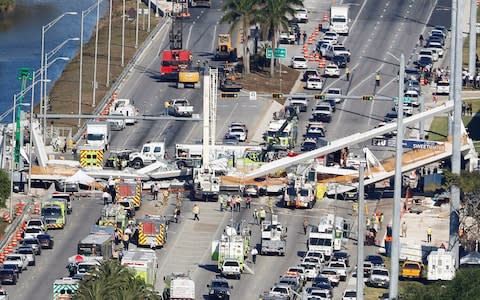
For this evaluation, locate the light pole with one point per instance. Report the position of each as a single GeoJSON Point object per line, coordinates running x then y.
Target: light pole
{"type": "Point", "coordinates": [109, 43]}
{"type": "Point", "coordinates": [96, 55]}
{"type": "Point", "coordinates": [84, 13]}
{"type": "Point", "coordinates": [361, 230]}
{"type": "Point", "coordinates": [136, 26]}
{"type": "Point", "coordinates": [44, 81]}
{"type": "Point", "coordinates": [398, 185]}
{"type": "Point", "coordinates": [45, 28]}
{"type": "Point", "coordinates": [123, 34]}
{"type": "Point", "coordinates": [472, 38]}
{"type": "Point", "coordinates": [149, 10]}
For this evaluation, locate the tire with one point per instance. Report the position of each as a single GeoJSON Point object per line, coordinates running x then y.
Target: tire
{"type": "Point", "coordinates": [181, 164]}
{"type": "Point", "coordinates": [137, 163]}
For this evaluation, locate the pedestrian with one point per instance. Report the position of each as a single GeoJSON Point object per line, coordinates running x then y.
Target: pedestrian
{"type": "Point", "coordinates": [347, 73]}
{"type": "Point", "coordinates": [165, 197]}
{"type": "Point", "coordinates": [368, 223]}
{"type": "Point", "coordinates": [305, 226]}
{"type": "Point", "coordinates": [117, 237]}
{"type": "Point", "coordinates": [254, 254]}
{"type": "Point", "coordinates": [106, 197]}
{"type": "Point", "coordinates": [65, 146]}
{"type": "Point", "coordinates": [155, 191]}
{"type": "Point", "coordinates": [304, 37]}
{"type": "Point", "coordinates": [221, 201]}
{"type": "Point", "coordinates": [233, 203]}
{"type": "Point", "coordinates": [377, 79]}
{"type": "Point", "coordinates": [238, 203]}
{"type": "Point", "coordinates": [381, 219]}
{"type": "Point", "coordinates": [420, 40]}
{"type": "Point", "coordinates": [270, 204]}
{"type": "Point", "coordinates": [166, 104]}
{"type": "Point", "coordinates": [262, 214]}
{"type": "Point", "coordinates": [196, 212]}
{"type": "Point", "coordinates": [126, 240]}
{"type": "Point", "coordinates": [255, 216]}
{"type": "Point", "coordinates": [404, 229]}
{"type": "Point", "coordinates": [429, 234]}
{"type": "Point", "coordinates": [111, 184]}
{"type": "Point", "coordinates": [248, 202]}
{"type": "Point", "coordinates": [176, 214]}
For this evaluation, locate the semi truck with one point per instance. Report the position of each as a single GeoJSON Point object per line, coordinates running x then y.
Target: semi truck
{"type": "Point", "coordinates": [273, 237]}
{"type": "Point", "coordinates": [98, 134]}
{"type": "Point", "coordinates": [64, 288]}
{"type": "Point", "coordinates": [179, 286]}
{"type": "Point", "coordinates": [143, 262]}
{"type": "Point", "coordinates": [339, 19]}
{"type": "Point", "coordinates": [54, 212]}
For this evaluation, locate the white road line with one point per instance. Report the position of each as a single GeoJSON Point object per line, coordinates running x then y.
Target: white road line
{"type": "Point", "coordinates": [356, 19]}
{"type": "Point", "coordinates": [189, 35]}
{"type": "Point", "coordinates": [213, 39]}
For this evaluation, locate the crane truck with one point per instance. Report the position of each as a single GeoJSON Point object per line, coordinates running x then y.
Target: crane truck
{"type": "Point", "coordinates": [273, 237]}
{"type": "Point", "coordinates": [301, 190]}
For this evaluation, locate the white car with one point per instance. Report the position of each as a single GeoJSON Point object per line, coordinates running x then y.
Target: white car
{"type": "Point", "coordinates": [298, 62]}
{"type": "Point", "coordinates": [330, 39]}
{"type": "Point", "coordinates": [314, 83]}
{"type": "Point", "coordinates": [341, 268]}
{"type": "Point", "coordinates": [318, 254]}
{"type": "Point", "coordinates": [437, 46]}
{"type": "Point", "coordinates": [443, 88]}
{"type": "Point", "coordinates": [17, 259]}
{"type": "Point", "coordinates": [349, 294]}
{"type": "Point", "coordinates": [335, 94]}
{"type": "Point", "coordinates": [311, 270]}
{"type": "Point", "coordinates": [33, 231]}
{"type": "Point", "coordinates": [297, 270]}
{"type": "Point", "coordinates": [337, 50]}
{"type": "Point", "coordinates": [379, 277]}
{"type": "Point", "coordinates": [29, 253]}
{"type": "Point", "coordinates": [37, 222]}
{"type": "Point", "coordinates": [239, 130]}
{"type": "Point", "coordinates": [301, 15]}
{"type": "Point", "coordinates": [332, 275]}
{"type": "Point", "coordinates": [413, 96]}
{"type": "Point", "coordinates": [332, 70]}
{"type": "Point", "coordinates": [331, 34]}
{"type": "Point", "coordinates": [429, 53]}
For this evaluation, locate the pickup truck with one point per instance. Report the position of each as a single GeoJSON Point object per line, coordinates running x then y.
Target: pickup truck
{"type": "Point", "coordinates": [340, 267]}
{"type": "Point", "coordinates": [299, 101]}
{"type": "Point", "coordinates": [180, 108]}
{"type": "Point", "coordinates": [287, 37]}
{"type": "Point", "coordinates": [379, 277]}
{"type": "Point", "coordinates": [412, 269]}
{"type": "Point", "coordinates": [18, 259]}
{"type": "Point", "coordinates": [231, 267]}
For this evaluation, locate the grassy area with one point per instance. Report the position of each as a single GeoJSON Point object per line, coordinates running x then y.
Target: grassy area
{"type": "Point", "coordinates": [439, 126]}
{"type": "Point", "coordinates": [466, 45]}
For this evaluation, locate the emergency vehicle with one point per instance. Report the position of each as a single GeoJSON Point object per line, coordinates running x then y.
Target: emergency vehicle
{"type": "Point", "coordinates": [129, 189]}
{"type": "Point", "coordinates": [152, 231]}
{"type": "Point", "coordinates": [54, 212]}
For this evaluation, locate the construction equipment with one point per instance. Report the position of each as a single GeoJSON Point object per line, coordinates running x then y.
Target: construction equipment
{"type": "Point", "coordinates": [188, 79]}
{"type": "Point", "coordinates": [273, 237]}
{"type": "Point", "coordinates": [152, 231]}
{"type": "Point", "coordinates": [231, 251]}
{"type": "Point", "coordinates": [54, 213]}
{"type": "Point", "coordinates": [206, 182]}
{"type": "Point", "coordinates": [180, 9]}
{"type": "Point", "coordinates": [301, 191]}
{"type": "Point", "coordinates": [129, 189]}
{"type": "Point", "coordinates": [143, 262]}
{"type": "Point", "coordinates": [178, 286]}
{"type": "Point", "coordinates": [225, 51]}
{"type": "Point", "coordinates": [172, 61]}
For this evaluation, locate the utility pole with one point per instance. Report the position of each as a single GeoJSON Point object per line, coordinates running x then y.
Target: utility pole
{"type": "Point", "coordinates": [453, 242]}
{"type": "Point", "coordinates": [24, 74]}
{"type": "Point", "coordinates": [397, 198]}
{"type": "Point", "coordinates": [473, 38]}
{"type": "Point", "coordinates": [361, 230]}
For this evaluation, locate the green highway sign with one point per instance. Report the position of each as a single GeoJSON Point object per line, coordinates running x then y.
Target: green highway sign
{"type": "Point", "coordinates": [279, 53]}
{"type": "Point", "coordinates": [406, 100]}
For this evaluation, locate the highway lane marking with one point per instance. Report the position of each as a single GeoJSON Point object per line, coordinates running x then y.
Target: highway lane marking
{"type": "Point", "coordinates": [356, 19]}
{"type": "Point", "coordinates": [213, 40]}
{"type": "Point", "coordinates": [189, 35]}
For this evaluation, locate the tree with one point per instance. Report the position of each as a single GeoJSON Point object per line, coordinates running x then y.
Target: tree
{"type": "Point", "coordinates": [274, 16]}
{"type": "Point", "coordinates": [4, 187]}
{"type": "Point", "coordinates": [114, 281]}
{"type": "Point", "coordinates": [465, 286]}
{"type": "Point", "coordinates": [241, 14]}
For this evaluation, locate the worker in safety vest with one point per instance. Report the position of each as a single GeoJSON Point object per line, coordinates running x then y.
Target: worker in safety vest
{"type": "Point", "coordinates": [270, 205]}
{"type": "Point", "coordinates": [262, 214]}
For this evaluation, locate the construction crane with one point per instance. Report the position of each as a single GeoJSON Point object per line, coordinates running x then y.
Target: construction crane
{"type": "Point", "coordinates": [24, 74]}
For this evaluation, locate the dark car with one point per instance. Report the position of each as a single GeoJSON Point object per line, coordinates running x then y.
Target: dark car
{"type": "Point", "coordinates": [341, 256]}
{"type": "Point", "coordinates": [424, 61]}
{"type": "Point", "coordinates": [340, 61]}
{"type": "Point", "coordinates": [312, 144]}
{"type": "Point", "coordinates": [333, 104]}
{"type": "Point", "coordinates": [219, 289]}
{"type": "Point", "coordinates": [46, 241]}
{"type": "Point", "coordinates": [230, 139]}
{"type": "Point", "coordinates": [321, 282]}
{"type": "Point", "coordinates": [412, 74]}
{"type": "Point", "coordinates": [13, 267]}
{"type": "Point", "coordinates": [35, 243]}
{"type": "Point", "coordinates": [376, 260]}
{"type": "Point", "coordinates": [390, 117]}
{"type": "Point", "coordinates": [8, 276]}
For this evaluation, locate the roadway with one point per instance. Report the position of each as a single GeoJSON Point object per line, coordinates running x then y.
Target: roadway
{"type": "Point", "coordinates": [377, 27]}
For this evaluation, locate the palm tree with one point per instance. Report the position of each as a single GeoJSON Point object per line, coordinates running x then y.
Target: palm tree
{"type": "Point", "coordinates": [241, 14]}
{"type": "Point", "coordinates": [274, 17]}
{"type": "Point", "coordinates": [114, 281]}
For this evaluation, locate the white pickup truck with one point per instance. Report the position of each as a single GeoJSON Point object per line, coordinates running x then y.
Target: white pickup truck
{"type": "Point", "coordinates": [180, 108]}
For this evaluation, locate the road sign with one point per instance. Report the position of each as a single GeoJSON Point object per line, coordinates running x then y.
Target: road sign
{"type": "Point", "coordinates": [279, 53]}
{"type": "Point", "coordinates": [420, 144]}
{"type": "Point", "coordinates": [383, 142]}
{"type": "Point", "coordinates": [406, 100]}
{"type": "Point", "coordinates": [253, 96]}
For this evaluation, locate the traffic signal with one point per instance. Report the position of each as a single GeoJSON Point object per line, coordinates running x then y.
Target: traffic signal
{"type": "Point", "coordinates": [229, 95]}
{"type": "Point", "coordinates": [368, 98]}
{"type": "Point", "coordinates": [277, 95]}
{"type": "Point", "coordinates": [320, 97]}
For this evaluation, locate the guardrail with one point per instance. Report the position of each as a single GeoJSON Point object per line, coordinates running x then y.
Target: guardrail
{"type": "Point", "coordinates": [119, 81]}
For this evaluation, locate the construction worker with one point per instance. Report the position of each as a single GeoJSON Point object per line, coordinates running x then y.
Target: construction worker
{"type": "Point", "coordinates": [221, 201]}
{"type": "Point", "coordinates": [155, 191]}
{"type": "Point", "coordinates": [404, 229]}
{"type": "Point", "coordinates": [248, 202]}
{"type": "Point", "coordinates": [165, 196]}
{"type": "Point", "coordinates": [126, 240]}
{"type": "Point", "coordinates": [429, 234]}
{"type": "Point", "coordinates": [262, 214]}
{"type": "Point", "coordinates": [270, 204]}
{"type": "Point", "coordinates": [347, 73]}
{"type": "Point", "coordinates": [196, 212]}
{"type": "Point", "coordinates": [377, 79]}
{"type": "Point", "coordinates": [106, 197]}
{"type": "Point", "coordinates": [255, 216]}
{"type": "Point", "coordinates": [254, 254]}
{"type": "Point", "coordinates": [167, 106]}
{"type": "Point", "coordinates": [305, 226]}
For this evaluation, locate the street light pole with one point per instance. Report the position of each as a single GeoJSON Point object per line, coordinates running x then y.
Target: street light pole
{"type": "Point", "coordinates": [361, 230]}
{"type": "Point", "coordinates": [149, 11]}
{"type": "Point", "coordinates": [12, 160]}
{"type": "Point", "coordinates": [109, 43]}
{"type": "Point", "coordinates": [45, 28]}
{"type": "Point", "coordinates": [96, 55]}
{"type": "Point", "coordinates": [123, 34]}
{"type": "Point", "coordinates": [30, 142]}
{"type": "Point", "coordinates": [398, 187]}
{"type": "Point", "coordinates": [473, 38]}
{"type": "Point", "coordinates": [136, 26]}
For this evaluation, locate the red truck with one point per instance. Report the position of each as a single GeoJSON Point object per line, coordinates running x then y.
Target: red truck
{"type": "Point", "coordinates": [172, 62]}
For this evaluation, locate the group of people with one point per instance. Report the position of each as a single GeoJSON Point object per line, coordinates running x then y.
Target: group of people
{"type": "Point", "coordinates": [234, 202]}
{"type": "Point", "coordinates": [109, 192]}
{"type": "Point", "coordinates": [470, 79]}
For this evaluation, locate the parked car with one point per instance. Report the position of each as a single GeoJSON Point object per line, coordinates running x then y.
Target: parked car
{"type": "Point", "coordinates": [376, 260]}
{"type": "Point", "coordinates": [379, 277]}
{"type": "Point", "coordinates": [45, 240]}
{"type": "Point", "coordinates": [322, 282]}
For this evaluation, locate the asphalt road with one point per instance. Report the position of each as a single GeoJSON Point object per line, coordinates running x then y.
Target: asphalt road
{"type": "Point", "coordinates": [378, 27]}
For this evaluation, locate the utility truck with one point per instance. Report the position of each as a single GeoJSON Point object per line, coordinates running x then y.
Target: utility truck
{"type": "Point", "coordinates": [150, 153]}
{"type": "Point", "coordinates": [301, 190]}
{"type": "Point", "coordinates": [179, 286]}
{"type": "Point", "coordinates": [54, 213]}
{"type": "Point", "coordinates": [339, 19]}
{"type": "Point", "coordinates": [98, 134]}
{"type": "Point", "coordinates": [273, 237]}
{"type": "Point", "coordinates": [230, 252]}
{"type": "Point", "coordinates": [180, 108]}
{"type": "Point", "coordinates": [143, 262]}
{"type": "Point", "coordinates": [96, 245]}
{"type": "Point", "coordinates": [320, 241]}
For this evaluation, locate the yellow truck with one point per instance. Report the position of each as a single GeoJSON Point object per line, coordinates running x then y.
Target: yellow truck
{"type": "Point", "coordinates": [188, 79]}
{"type": "Point", "coordinates": [412, 269]}
{"type": "Point", "coordinates": [225, 51]}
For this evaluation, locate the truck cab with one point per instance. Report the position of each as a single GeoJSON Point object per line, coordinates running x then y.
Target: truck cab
{"type": "Point", "coordinates": [150, 153]}
{"type": "Point", "coordinates": [180, 108]}
{"type": "Point", "coordinates": [98, 134]}
{"type": "Point", "coordinates": [231, 267]}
